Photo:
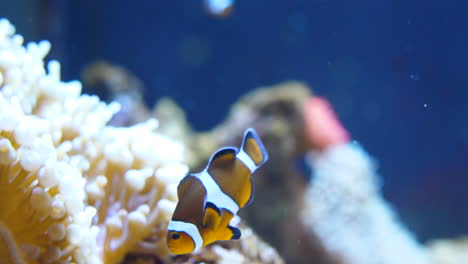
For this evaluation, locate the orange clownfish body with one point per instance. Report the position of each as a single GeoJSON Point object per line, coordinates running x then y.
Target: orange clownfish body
{"type": "Point", "coordinates": [208, 200]}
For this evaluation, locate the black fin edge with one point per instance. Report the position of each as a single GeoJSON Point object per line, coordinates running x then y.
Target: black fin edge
{"type": "Point", "coordinates": [222, 151]}
{"type": "Point", "coordinates": [251, 133]}
{"type": "Point", "coordinates": [236, 233]}
{"type": "Point", "coordinates": [213, 206]}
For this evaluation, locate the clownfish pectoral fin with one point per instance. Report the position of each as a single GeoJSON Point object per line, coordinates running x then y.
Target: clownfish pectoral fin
{"type": "Point", "coordinates": [226, 218]}
{"type": "Point", "coordinates": [252, 145]}
{"type": "Point", "coordinates": [224, 157]}
{"type": "Point", "coordinates": [185, 184]}
{"type": "Point", "coordinates": [236, 233]}
{"type": "Point", "coordinates": [228, 233]}
{"type": "Point", "coordinates": [212, 216]}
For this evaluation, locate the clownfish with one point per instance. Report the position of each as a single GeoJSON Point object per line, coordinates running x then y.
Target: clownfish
{"type": "Point", "coordinates": [208, 200]}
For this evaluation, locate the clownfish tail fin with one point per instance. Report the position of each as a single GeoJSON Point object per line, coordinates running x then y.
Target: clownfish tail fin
{"type": "Point", "coordinates": [253, 146]}
{"type": "Point", "coordinates": [236, 233]}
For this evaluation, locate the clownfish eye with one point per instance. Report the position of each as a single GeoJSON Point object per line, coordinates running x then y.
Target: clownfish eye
{"type": "Point", "coordinates": [175, 236]}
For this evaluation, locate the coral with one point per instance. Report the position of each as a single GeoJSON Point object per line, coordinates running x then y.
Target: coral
{"type": "Point", "coordinates": [344, 208]}
{"type": "Point", "coordinates": [449, 251]}
{"type": "Point", "coordinates": [322, 127]}
{"type": "Point", "coordinates": [343, 205]}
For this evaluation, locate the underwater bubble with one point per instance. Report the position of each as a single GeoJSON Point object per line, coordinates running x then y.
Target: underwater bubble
{"type": "Point", "coordinates": [219, 8]}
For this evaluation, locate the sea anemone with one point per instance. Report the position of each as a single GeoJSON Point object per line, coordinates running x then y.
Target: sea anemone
{"type": "Point", "coordinates": [76, 190]}
{"type": "Point", "coordinates": [43, 217]}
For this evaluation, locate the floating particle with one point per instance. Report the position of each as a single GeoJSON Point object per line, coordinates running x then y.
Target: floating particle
{"type": "Point", "coordinates": [425, 105]}
{"type": "Point", "coordinates": [414, 76]}
{"type": "Point", "coordinates": [219, 8]}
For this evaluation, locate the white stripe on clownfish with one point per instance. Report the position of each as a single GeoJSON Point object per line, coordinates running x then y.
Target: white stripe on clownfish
{"type": "Point", "coordinates": [188, 228]}
{"type": "Point", "coordinates": [247, 160]}
{"type": "Point", "coordinates": [214, 194]}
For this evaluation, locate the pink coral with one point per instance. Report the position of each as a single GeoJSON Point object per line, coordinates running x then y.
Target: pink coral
{"type": "Point", "coordinates": [322, 127]}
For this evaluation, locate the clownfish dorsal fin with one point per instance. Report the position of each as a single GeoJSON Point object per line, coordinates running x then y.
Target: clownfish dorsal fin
{"type": "Point", "coordinates": [253, 154]}
{"type": "Point", "coordinates": [224, 157]}
{"type": "Point", "coordinates": [212, 216]}
{"type": "Point", "coordinates": [254, 148]}
{"type": "Point", "coordinates": [184, 185]}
